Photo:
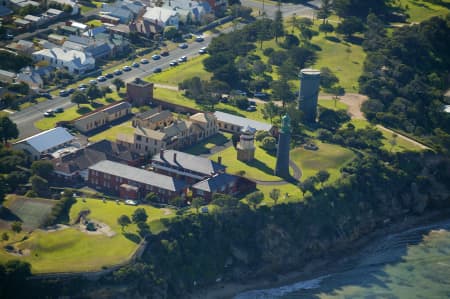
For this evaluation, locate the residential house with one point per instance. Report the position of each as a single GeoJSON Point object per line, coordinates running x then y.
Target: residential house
{"type": "Point", "coordinates": [102, 117]}
{"type": "Point", "coordinates": [188, 11]}
{"type": "Point", "coordinates": [74, 61]}
{"type": "Point", "coordinates": [23, 47]}
{"type": "Point", "coordinates": [22, 24]}
{"type": "Point", "coordinates": [161, 17]}
{"type": "Point", "coordinates": [57, 39]}
{"type": "Point", "coordinates": [35, 21]}
{"type": "Point", "coordinates": [73, 4]}
{"type": "Point", "coordinates": [31, 77]}
{"type": "Point", "coordinates": [17, 4]}
{"type": "Point", "coordinates": [97, 49]}
{"type": "Point", "coordinates": [45, 142]}
{"type": "Point", "coordinates": [232, 123]}
{"type": "Point", "coordinates": [74, 166]}
{"type": "Point", "coordinates": [124, 10]}
{"type": "Point", "coordinates": [7, 77]}
{"type": "Point", "coordinates": [133, 183]}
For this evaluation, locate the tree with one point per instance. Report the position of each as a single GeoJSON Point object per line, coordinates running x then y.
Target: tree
{"type": "Point", "coordinates": [326, 28]}
{"type": "Point", "coordinates": [172, 33]}
{"type": "Point", "coordinates": [8, 129]}
{"type": "Point", "coordinates": [16, 226]}
{"type": "Point", "coordinates": [269, 144]}
{"type": "Point", "coordinates": [350, 26]}
{"type": "Point", "coordinates": [260, 135]}
{"type": "Point", "coordinates": [393, 141]}
{"type": "Point", "coordinates": [278, 28]}
{"type": "Point", "coordinates": [42, 168]}
{"type": "Point", "coordinates": [324, 10]}
{"type": "Point", "coordinates": [78, 98]}
{"type": "Point", "coordinates": [269, 110]}
{"type": "Point", "coordinates": [307, 185]}
{"type": "Point", "coordinates": [5, 236]}
{"type": "Point", "coordinates": [139, 215]}
{"type": "Point", "coordinates": [322, 176]}
{"type": "Point", "coordinates": [282, 91]}
{"type": "Point", "coordinates": [197, 203]}
{"type": "Point", "coordinates": [143, 229]}
{"type": "Point", "coordinates": [255, 198]}
{"type": "Point", "coordinates": [151, 197]}
{"type": "Point", "coordinates": [327, 77]}
{"type": "Point", "coordinates": [176, 201]}
{"type": "Point", "coordinates": [39, 185]}
{"type": "Point", "coordinates": [118, 83]}
{"type": "Point", "coordinates": [93, 92]}
{"type": "Point", "coordinates": [274, 195]}
{"type": "Point", "coordinates": [123, 221]}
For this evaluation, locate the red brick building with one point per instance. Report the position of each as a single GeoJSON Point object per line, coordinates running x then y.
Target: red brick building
{"type": "Point", "coordinates": [139, 92]}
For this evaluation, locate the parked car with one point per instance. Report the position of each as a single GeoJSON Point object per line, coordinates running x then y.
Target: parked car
{"type": "Point", "coordinates": [202, 50]}
{"type": "Point", "coordinates": [131, 202]}
{"type": "Point", "coordinates": [101, 79]}
{"type": "Point", "coordinates": [135, 64]}
{"type": "Point", "coordinates": [109, 76]}
{"type": "Point", "coordinates": [63, 93]}
{"type": "Point", "coordinates": [93, 81]}
{"type": "Point", "coordinates": [199, 38]}
{"type": "Point", "coordinates": [118, 72]}
{"type": "Point", "coordinates": [46, 95]}
{"type": "Point", "coordinates": [182, 59]}
{"type": "Point", "coordinates": [165, 53]}
{"type": "Point", "coordinates": [49, 113]}
{"type": "Point", "coordinates": [157, 70]}
{"type": "Point", "coordinates": [59, 110]}
{"type": "Point", "coordinates": [156, 57]}
{"type": "Point", "coordinates": [251, 108]}
{"type": "Point", "coordinates": [261, 95]}
{"type": "Point", "coordinates": [173, 63]}
{"type": "Point", "coordinates": [252, 103]}
{"type": "Point", "coordinates": [144, 61]}
{"type": "Point", "coordinates": [126, 68]}
{"type": "Point", "coordinates": [183, 46]}
{"type": "Point", "coordinates": [82, 86]}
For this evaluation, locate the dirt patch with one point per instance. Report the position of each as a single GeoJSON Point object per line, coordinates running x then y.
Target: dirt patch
{"type": "Point", "coordinates": [353, 101]}
{"type": "Point", "coordinates": [101, 229]}
{"type": "Point", "coordinates": [166, 211]}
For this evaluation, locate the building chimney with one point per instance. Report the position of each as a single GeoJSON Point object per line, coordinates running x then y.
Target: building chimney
{"type": "Point", "coordinates": [175, 157]}
{"type": "Point", "coordinates": [161, 154]}
{"type": "Point", "coordinates": [219, 160]}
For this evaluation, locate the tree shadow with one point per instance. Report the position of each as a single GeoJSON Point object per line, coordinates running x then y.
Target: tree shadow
{"type": "Point", "coordinates": [7, 215]}
{"type": "Point", "coordinates": [96, 105]}
{"type": "Point", "coordinates": [316, 47]}
{"type": "Point", "coordinates": [355, 40]}
{"type": "Point", "coordinates": [132, 237]}
{"type": "Point", "coordinates": [333, 39]}
{"type": "Point", "coordinates": [83, 110]}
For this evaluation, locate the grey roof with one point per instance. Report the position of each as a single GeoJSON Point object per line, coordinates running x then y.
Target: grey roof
{"type": "Point", "coordinates": [48, 139]}
{"type": "Point", "coordinates": [117, 107]}
{"type": "Point", "coordinates": [7, 74]}
{"type": "Point", "coordinates": [214, 183]}
{"type": "Point", "coordinates": [139, 175]}
{"type": "Point", "coordinates": [242, 121]}
{"type": "Point", "coordinates": [189, 162]}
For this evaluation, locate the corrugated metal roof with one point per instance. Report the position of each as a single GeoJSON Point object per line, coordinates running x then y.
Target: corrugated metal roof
{"type": "Point", "coordinates": [139, 175]}
{"type": "Point", "coordinates": [189, 162]}
{"type": "Point", "coordinates": [242, 121]}
{"type": "Point", "coordinates": [48, 139]}
{"type": "Point", "coordinates": [215, 183]}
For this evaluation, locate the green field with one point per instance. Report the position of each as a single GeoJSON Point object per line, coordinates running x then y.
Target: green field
{"type": "Point", "coordinates": [176, 75]}
{"type": "Point", "coordinates": [204, 146]}
{"type": "Point", "coordinates": [328, 157]}
{"type": "Point", "coordinates": [330, 104]}
{"type": "Point", "coordinates": [111, 133]}
{"type": "Point", "coordinates": [420, 10]}
{"type": "Point", "coordinates": [79, 251]}
{"type": "Point", "coordinates": [261, 168]}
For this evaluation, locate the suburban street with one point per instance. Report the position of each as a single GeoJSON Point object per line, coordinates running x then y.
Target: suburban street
{"type": "Point", "coordinates": [26, 118]}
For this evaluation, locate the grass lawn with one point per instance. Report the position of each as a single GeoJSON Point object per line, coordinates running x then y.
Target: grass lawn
{"type": "Point", "coordinates": [293, 194]}
{"type": "Point", "coordinates": [111, 133]}
{"type": "Point", "coordinates": [420, 10]}
{"type": "Point", "coordinates": [78, 251]}
{"type": "Point", "coordinates": [173, 76]}
{"type": "Point", "coordinates": [204, 146]}
{"type": "Point", "coordinates": [261, 168]}
{"type": "Point", "coordinates": [329, 104]}
{"type": "Point", "coordinates": [328, 157]}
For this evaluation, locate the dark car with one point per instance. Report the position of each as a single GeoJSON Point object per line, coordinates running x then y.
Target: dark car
{"type": "Point", "coordinates": [165, 53]}
{"type": "Point", "coordinates": [118, 72]}
{"type": "Point", "coordinates": [183, 46]}
{"type": "Point", "coordinates": [156, 57]}
{"type": "Point", "coordinates": [109, 76]}
{"type": "Point", "coordinates": [64, 93]}
{"type": "Point", "coordinates": [135, 64]}
{"type": "Point", "coordinates": [157, 70]}
{"type": "Point", "coordinates": [46, 95]}
{"type": "Point", "coordinates": [199, 39]}
{"type": "Point", "coordinates": [261, 95]}
{"type": "Point", "coordinates": [173, 63]}
{"type": "Point", "coordinates": [59, 110]}
{"type": "Point", "coordinates": [144, 61]}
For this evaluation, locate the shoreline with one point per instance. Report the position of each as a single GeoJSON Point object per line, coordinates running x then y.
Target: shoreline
{"type": "Point", "coordinates": [319, 267]}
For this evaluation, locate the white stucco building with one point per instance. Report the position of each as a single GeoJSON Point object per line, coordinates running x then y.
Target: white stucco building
{"type": "Point", "coordinates": [74, 61]}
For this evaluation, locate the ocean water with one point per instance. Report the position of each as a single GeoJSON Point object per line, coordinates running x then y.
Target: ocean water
{"type": "Point", "coordinates": [411, 264]}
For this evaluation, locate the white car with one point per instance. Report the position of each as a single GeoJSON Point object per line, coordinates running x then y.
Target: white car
{"type": "Point", "coordinates": [131, 202]}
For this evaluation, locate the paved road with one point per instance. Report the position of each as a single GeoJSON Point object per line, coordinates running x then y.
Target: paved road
{"type": "Point", "coordinates": [288, 9]}
{"type": "Point", "coordinates": [27, 117]}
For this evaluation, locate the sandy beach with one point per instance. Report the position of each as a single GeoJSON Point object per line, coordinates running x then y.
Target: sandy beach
{"type": "Point", "coordinates": [319, 267]}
